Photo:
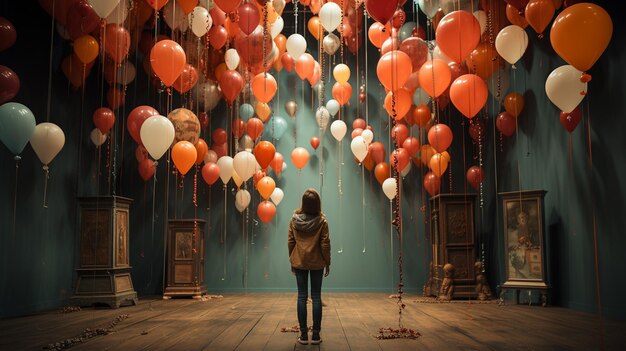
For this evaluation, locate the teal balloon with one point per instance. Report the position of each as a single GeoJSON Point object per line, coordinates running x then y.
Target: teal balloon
{"type": "Point", "coordinates": [17, 125]}
{"type": "Point", "coordinates": [246, 111]}
{"type": "Point", "coordinates": [277, 127]}
{"type": "Point", "coordinates": [406, 30]}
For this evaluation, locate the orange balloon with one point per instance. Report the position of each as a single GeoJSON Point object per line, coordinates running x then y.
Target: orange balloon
{"type": "Point", "coordinates": [342, 92]}
{"type": "Point", "coordinates": [232, 28]}
{"type": "Point", "coordinates": [398, 103]}
{"type": "Point", "coordinates": [422, 116]}
{"type": "Point", "coordinates": [264, 87]}
{"type": "Point", "coordinates": [394, 68]}
{"type": "Point", "coordinates": [168, 60]}
{"type": "Point", "coordinates": [483, 61]}
{"type": "Point", "coordinates": [187, 5]}
{"type": "Point", "coordinates": [201, 149]}
{"type": "Point", "coordinates": [426, 152]}
{"type": "Point", "coordinates": [299, 157]}
{"type": "Point", "coordinates": [266, 187]}
{"type": "Point", "coordinates": [469, 94]}
{"type": "Point", "coordinates": [266, 211]}
{"type": "Point", "coordinates": [376, 34]}
{"type": "Point", "coordinates": [440, 137]}
{"type": "Point", "coordinates": [263, 111]}
{"type": "Point", "coordinates": [315, 76]}
{"type": "Point", "coordinates": [457, 35]}
{"type": "Point", "coordinates": [264, 153]}
{"type": "Point", "coordinates": [86, 48]}
{"type": "Point", "coordinates": [184, 155]}
{"type": "Point", "coordinates": [438, 164]}
{"type": "Point", "coordinates": [512, 14]}
{"type": "Point", "coordinates": [277, 163]}
{"type": "Point", "coordinates": [514, 103]}
{"type": "Point", "coordinates": [254, 128]}
{"type": "Point", "coordinates": [368, 162]}
{"type": "Point", "coordinates": [539, 14]}
{"type": "Point", "coordinates": [382, 172]}
{"type": "Point", "coordinates": [219, 69]}
{"type": "Point", "coordinates": [281, 43]}
{"type": "Point", "coordinates": [305, 65]}
{"type": "Point", "coordinates": [434, 77]}
{"type": "Point", "coordinates": [581, 33]}
{"type": "Point", "coordinates": [314, 27]}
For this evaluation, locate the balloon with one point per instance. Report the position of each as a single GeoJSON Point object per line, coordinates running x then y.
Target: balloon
{"type": "Point", "coordinates": [338, 129]}
{"type": "Point", "coordinates": [299, 157]}
{"type": "Point", "coordinates": [136, 119]}
{"type": "Point", "coordinates": [104, 119]}
{"type": "Point", "coordinates": [277, 163]}
{"type": "Point", "coordinates": [520, 5]}
{"type": "Point", "coordinates": [411, 145]}
{"type": "Point", "coordinates": [264, 152]}
{"type": "Point", "coordinates": [266, 187]}
{"type": "Point", "coordinates": [511, 43]}
{"type": "Point", "coordinates": [81, 19]}
{"type": "Point", "coordinates": [119, 13]}
{"type": "Point", "coordinates": [245, 143]}
{"type": "Point", "coordinates": [187, 79]}
{"type": "Point", "coordinates": [314, 27]}
{"type": "Point", "coordinates": [429, 7]}
{"type": "Point", "coordinates": [97, 138]}
{"type": "Point", "coordinates": [440, 137]}
{"type": "Point", "coordinates": [399, 159]}
{"type": "Point", "coordinates": [356, 132]}
{"type": "Point", "coordinates": [248, 17]}
{"type": "Point", "coordinates": [218, 36]}
{"type": "Point", "coordinates": [291, 107]}
{"type": "Point", "coordinates": [330, 16]}
{"type": "Point", "coordinates": [103, 7]}
{"type": "Point", "coordinates": [296, 45]}
{"type": "Point", "coordinates": [157, 4]}
{"type": "Point", "coordinates": [174, 15]}
{"type": "Point", "coordinates": [246, 111]}
{"type": "Point", "coordinates": [231, 58]}
{"type": "Point", "coordinates": [242, 199]}
{"type": "Point", "coordinates": [210, 156]}
{"type": "Point", "coordinates": [565, 88]}
{"type": "Point", "coordinates": [86, 48]}
{"type": "Point", "coordinates": [276, 28]}
{"type": "Point", "coordinates": [244, 164]}
{"type": "Point", "coordinates": [393, 69]}
{"type": "Point", "coordinates": [469, 94]}
{"type": "Point", "coordinates": [264, 87]}
{"type": "Point", "coordinates": [359, 123]}
{"type": "Point", "coordinates": [238, 127]}
{"type": "Point", "coordinates": [377, 151]}
{"type": "Point", "coordinates": [341, 72]}
{"type": "Point", "coordinates": [398, 103]}
{"type": "Point", "coordinates": [201, 150]}
{"type": "Point", "coordinates": [476, 130]}
{"type": "Point", "coordinates": [210, 173]}
{"type": "Point", "coordinates": [186, 124]}
{"type": "Point", "coordinates": [342, 92]}
{"type": "Point", "coordinates": [333, 107]}
{"type": "Point", "coordinates": [17, 125]}
{"type": "Point", "coordinates": [513, 15]}
{"type": "Point", "coordinates": [483, 61]}
{"type": "Point", "coordinates": [422, 116]}
{"type": "Point", "coordinates": [231, 84]}
{"type": "Point", "coordinates": [157, 134]}
{"type": "Point", "coordinates": [481, 17]}
{"type": "Point", "coordinates": [277, 127]}
{"type": "Point", "coordinates": [377, 34]}
{"type": "Point", "coordinates": [382, 172]}
{"type": "Point", "coordinates": [9, 84]}
{"type": "Point", "coordinates": [331, 43]}
{"type": "Point", "coordinates": [570, 120]}
{"type": "Point", "coordinates": [225, 164]}
{"type": "Point", "coordinates": [434, 77]}
{"type": "Point", "coordinates": [208, 94]}
{"type": "Point", "coordinates": [146, 168]}
{"type": "Point", "coordinates": [417, 50]}
{"type": "Point", "coordinates": [390, 188]}
{"type": "Point", "coordinates": [220, 149]}
{"type": "Point", "coordinates": [255, 128]}
{"type": "Point", "coordinates": [506, 123]}
{"type": "Point", "coordinates": [228, 6]}
{"type": "Point", "coordinates": [432, 183]}
{"type": "Point", "coordinates": [514, 103]}
{"type": "Point", "coordinates": [266, 211]}
{"type": "Point", "coordinates": [219, 136]}
{"type": "Point", "coordinates": [184, 155]}
{"type": "Point", "coordinates": [359, 148]}
{"type": "Point", "coordinates": [399, 133]}
{"type": "Point", "coordinates": [315, 142]}
{"type": "Point", "coordinates": [287, 61]}
{"type": "Point", "coordinates": [7, 34]}
{"type": "Point", "coordinates": [438, 164]}
{"type": "Point", "coordinates": [458, 34]}
{"type": "Point", "coordinates": [368, 136]}
{"type": "Point", "coordinates": [321, 117]}
{"type": "Point", "coordinates": [381, 11]}
{"type": "Point", "coordinates": [580, 34]}
{"type": "Point", "coordinates": [117, 42]}
{"type": "Point", "coordinates": [539, 13]}
{"type": "Point", "coordinates": [426, 152]}
{"type": "Point", "coordinates": [167, 59]}
{"type": "Point", "coordinates": [47, 140]}
{"type": "Point", "coordinates": [475, 175]}
{"type": "Point", "coordinates": [277, 196]}
{"type": "Point", "coordinates": [305, 65]}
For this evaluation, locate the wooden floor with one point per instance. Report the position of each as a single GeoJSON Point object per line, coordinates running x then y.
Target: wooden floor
{"type": "Point", "coordinates": [350, 322]}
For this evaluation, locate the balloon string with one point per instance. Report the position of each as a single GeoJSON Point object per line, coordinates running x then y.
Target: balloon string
{"type": "Point", "coordinates": [363, 203]}
{"type": "Point", "coordinates": [17, 167]}
{"type": "Point", "coordinates": [154, 181]}
{"type": "Point", "coordinates": [45, 186]}
{"type": "Point", "coordinates": [50, 65]}
{"type": "Point", "coordinates": [339, 154]}
{"type": "Point", "coordinates": [223, 241]}
{"type": "Point", "coordinates": [166, 216]}
{"type": "Point", "coordinates": [391, 244]}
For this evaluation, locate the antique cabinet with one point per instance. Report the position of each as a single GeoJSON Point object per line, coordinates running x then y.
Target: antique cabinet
{"type": "Point", "coordinates": [185, 258]}
{"type": "Point", "coordinates": [103, 273]}
{"type": "Point", "coordinates": [524, 243]}
{"type": "Point", "coordinates": [453, 252]}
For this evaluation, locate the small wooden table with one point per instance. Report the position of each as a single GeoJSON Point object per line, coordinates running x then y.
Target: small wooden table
{"type": "Point", "coordinates": [543, 289]}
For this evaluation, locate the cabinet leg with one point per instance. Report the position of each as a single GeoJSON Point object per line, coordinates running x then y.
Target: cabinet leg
{"type": "Point", "coordinates": [544, 299]}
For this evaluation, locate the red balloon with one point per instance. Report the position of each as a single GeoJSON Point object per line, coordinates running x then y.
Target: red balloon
{"type": "Point", "coordinates": [219, 136]}
{"type": "Point", "coordinates": [266, 211]}
{"type": "Point", "coordinates": [255, 128]}
{"type": "Point", "coordinates": [477, 131]}
{"type": "Point", "coordinates": [399, 158]}
{"type": "Point", "coordinates": [432, 183]}
{"type": "Point", "coordinates": [475, 175]}
{"type": "Point", "coordinates": [287, 61]}
{"type": "Point", "coordinates": [157, 4]}
{"type": "Point", "coordinates": [570, 121]}
{"type": "Point", "coordinates": [506, 123]}
{"type": "Point", "coordinates": [399, 133]}
{"type": "Point", "coordinates": [146, 169]}
{"type": "Point", "coordinates": [116, 42]}
{"type": "Point", "coordinates": [218, 16]}
{"type": "Point", "coordinates": [250, 47]}
{"type": "Point", "coordinates": [220, 149]}
{"type": "Point", "coordinates": [248, 17]}
{"type": "Point", "coordinates": [381, 11]}
{"type": "Point", "coordinates": [382, 172]}
{"type": "Point", "coordinates": [358, 123]}
{"type": "Point", "coordinates": [377, 150]}
{"type": "Point", "coordinates": [201, 150]}
{"type": "Point", "coordinates": [7, 34]}
{"type": "Point", "coordinates": [231, 84]}
{"type": "Point", "coordinates": [104, 119]}
{"type": "Point", "coordinates": [258, 175]}
{"type": "Point", "coordinates": [518, 4]}
{"type": "Point", "coordinates": [210, 173]}
{"type": "Point", "coordinates": [9, 84]}
{"type": "Point", "coordinates": [417, 49]}
{"type": "Point", "coordinates": [342, 92]}
{"type": "Point", "coordinates": [141, 153]}
{"type": "Point", "coordinates": [203, 117]}
{"type": "Point", "coordinates": [277, 163]}
{"type": "Point", "coordinates": [228, 6]}
{"type": "Point", "coordinates": [315, 142]}
{"type": "Point", "coordinates": [217, 36]}
{"type": "Point", "coordinates": [238, 127]}
{"type": "Point", "coordinates": [398, 18]}
{"type": "Point", "coordinates": [440, 137]}
{"type": "Point", "coordinates": [81, 19]}
{"type": "Point", "coordinates": [136, 117]}
{"type": "Point", "coordinates": [187, 79]}
{"type": "Point", "coordinates": [412, 145]}
{"type": "Point", "coordinates": [356, 132]}
{"type": "Point", "coordinates": [264, 153]}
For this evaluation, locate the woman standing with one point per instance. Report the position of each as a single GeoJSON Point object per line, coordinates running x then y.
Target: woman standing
{"type": "Point", "coordinates": [309, 252]}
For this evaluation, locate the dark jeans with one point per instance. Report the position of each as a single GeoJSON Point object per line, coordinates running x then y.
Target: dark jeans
{"type": "Point", "coordinates": [302, 278]}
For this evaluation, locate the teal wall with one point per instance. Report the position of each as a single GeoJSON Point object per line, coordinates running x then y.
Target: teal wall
{"type": "Point", "coordinates": [38, 257]}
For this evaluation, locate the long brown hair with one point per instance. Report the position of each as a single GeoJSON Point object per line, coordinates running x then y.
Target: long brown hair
{"type": "Point", "coordinates": [311, 203]}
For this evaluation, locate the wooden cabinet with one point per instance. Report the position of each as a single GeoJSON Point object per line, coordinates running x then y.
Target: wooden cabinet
{"type": "Point", "coordinates": [453, 252]}
{"type": "Point", "coordinates": [185, 258]}
{"type": "Point", "coordinates": [103, 273]}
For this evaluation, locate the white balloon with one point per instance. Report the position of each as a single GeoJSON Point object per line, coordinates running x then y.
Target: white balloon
{"type": "Point", "coordinates": [119, 13]}
{"type": "Point", "coordinates": [97, 137]}
{"type": "Point", "coordinates": [200, 21]}
{"type": "Point", "coordinates": [330, 16]}
{"type": "Point", "coordinates": [126, 73]}
{"type": "Point", "coordinates": [277, 196]}
{"type": "Point", "coordinates": [338, 129]}
{"type": "Point", "coordinates": [174, 15]}
{"type": "Point", "coordinates": [231, 57]}
{"type": "Point", "coordinates": [359, 148]}
{"type": "Point", "coordinates": [368, 136]}
{"type": "Point", "coordinates": [225, 163]}
{"type": "Point", "coordinates": [565, 89]}
{"type": "Point", "coordinates": [296, 45]}
{"type": "Point", "coordinates": [390, 187]}
{"type": "Point", "coordinates": [277, 27]}
{"type": "Point", "coordinates": [429, 7]}
{"type": "Point", "coordinates": [208, 94]}
{"type": "Point", "coordinates": [331, 43]}
{"type": "Point", "coordinates": [210, 156]}
{"type": "Point", "coordinates": [242, 199]}
{"type": "Point", "coordinates": [333, 107]}
{"type": "Point", "coordinates": [321, 117]}
{"type": "Point", "coordinates": [157, 134]}
{"type": "Point", "coordinates": [511, 43]}
{"type": "Point", "coordinates": [47, 140]}
{"type": "Point", "coordinates": [481, 16]}
{"type": "Point", "coordinates": [103, 8]}
{"type": "Point", "coordinates": [244, 163]}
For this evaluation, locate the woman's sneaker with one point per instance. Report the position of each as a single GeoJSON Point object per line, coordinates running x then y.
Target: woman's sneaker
{"type": "Point", "coordinates": [315, 339]}
{"type": "Point", "coordinates": [303, 338]}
